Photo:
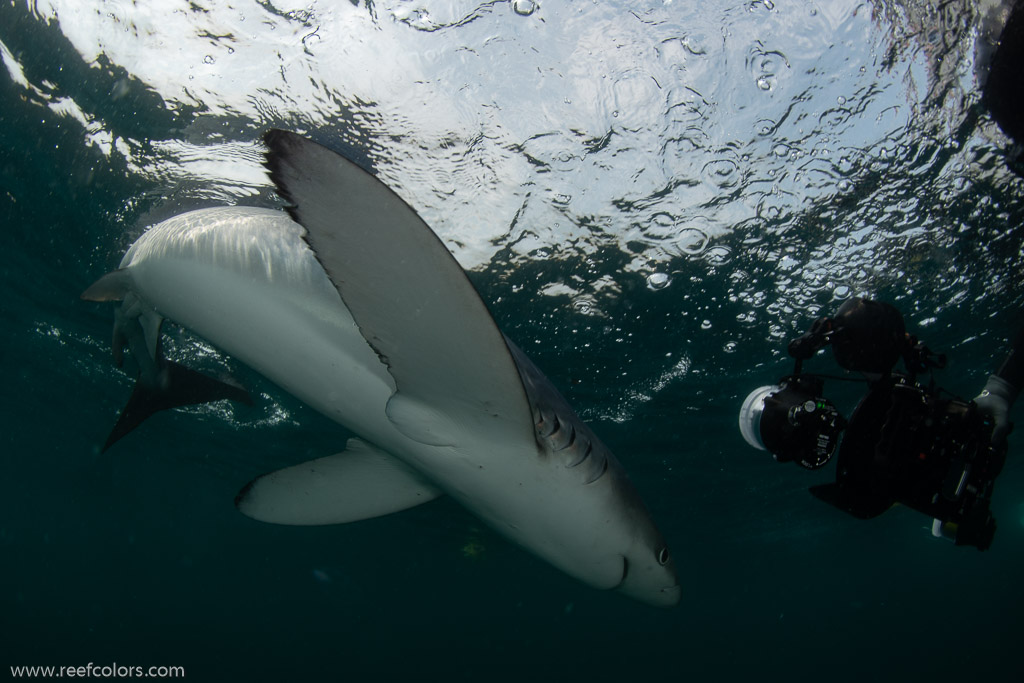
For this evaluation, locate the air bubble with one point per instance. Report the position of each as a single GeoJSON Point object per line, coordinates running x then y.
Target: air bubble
{"type": "Point", "coordinates": [524, 8]}
{"type": "Point", "coordinates": [695, 44]}
{"type": "Point", "coordinates": [718, 256]}
{"type": "Point", "coordinates": [765, 126]}
{"type": "Point", "coordinates": [692, 241]}
{"type": "Point", "coordinates": [658, 281]}
{"type": "Point", "coordinates": [722, 172]}
{"type": "Point", "coordinates": [664, 219]}
{"type": "Point", "coordinates": [585, 305]}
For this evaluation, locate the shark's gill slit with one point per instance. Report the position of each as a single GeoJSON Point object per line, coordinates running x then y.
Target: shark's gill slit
{"type": "Point", "coordinates": [572, 438]}
{"type": "Point", "coordinates": [555, 426]}
{"type": "Point", "coordinates": [586, 454]}
{"type": "Point", "coordinates": [569, 442]}
{"type": "Point", "coordinates": [604, 469]}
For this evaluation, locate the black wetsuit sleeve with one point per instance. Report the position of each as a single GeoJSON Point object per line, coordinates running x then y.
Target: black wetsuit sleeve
{"type": "Point", "coordinates": [1012, 369]}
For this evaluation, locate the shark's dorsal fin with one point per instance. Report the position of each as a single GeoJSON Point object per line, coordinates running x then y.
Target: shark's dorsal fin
{"type": "Point", "coordinates": [408, 295]}
{"type": "Point", "coordinates": [359, 483]}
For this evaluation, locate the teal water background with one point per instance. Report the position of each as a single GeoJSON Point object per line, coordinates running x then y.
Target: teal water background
{"type": "Point", "coordinates": [652, 198]}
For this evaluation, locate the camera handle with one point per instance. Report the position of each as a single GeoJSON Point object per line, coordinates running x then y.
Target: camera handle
{"type": "Point", "coordinates": [810, 342]}
{"type": "Point", "coordinates": [919, 358]}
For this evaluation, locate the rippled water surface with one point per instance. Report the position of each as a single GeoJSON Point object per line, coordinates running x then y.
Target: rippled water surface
{"type": "Point", "coordinates": [652, 197]}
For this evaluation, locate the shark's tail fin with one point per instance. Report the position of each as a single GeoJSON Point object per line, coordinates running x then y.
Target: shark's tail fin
{"type": "Point", "coordinates": [177, 386]}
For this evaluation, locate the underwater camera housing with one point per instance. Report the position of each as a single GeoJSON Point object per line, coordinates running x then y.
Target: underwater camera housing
{"type": "Point", "coordinates": [792, 421]}
{"type": "Point", "coordinates": [905, 443]}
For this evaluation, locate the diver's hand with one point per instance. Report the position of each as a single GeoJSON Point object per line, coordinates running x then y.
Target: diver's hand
{"type": "Point", "coordinates": [995, 400]}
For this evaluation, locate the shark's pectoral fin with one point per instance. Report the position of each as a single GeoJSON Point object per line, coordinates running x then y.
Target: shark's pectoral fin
{"type": "Point", "coordinates": [409, 297]}
{"type": "Point", "coordinates": [359, 483]}
{"type": "Point", "coordinates": [176, 386]}
{"type": "Point", "coordinates": [111, 287]}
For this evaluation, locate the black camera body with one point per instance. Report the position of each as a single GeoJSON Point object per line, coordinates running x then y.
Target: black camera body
{"type": "Point", "coordinates": [904, 443]}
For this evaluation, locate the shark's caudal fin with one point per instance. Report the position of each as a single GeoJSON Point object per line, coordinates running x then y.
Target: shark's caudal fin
{"type": "Point", "coordinates": [177, 386]}
{"type": "Point", "coordinates": [161, 384]}
{"type": "Point", "coordinates": [359, 483]}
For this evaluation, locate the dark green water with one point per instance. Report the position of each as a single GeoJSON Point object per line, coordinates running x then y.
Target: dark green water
{"type": "Point", "coordinates": [652, 201]}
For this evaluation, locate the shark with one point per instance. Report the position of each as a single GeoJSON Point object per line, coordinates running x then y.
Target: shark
{"type": "Point", "coordinates": [347, 300]}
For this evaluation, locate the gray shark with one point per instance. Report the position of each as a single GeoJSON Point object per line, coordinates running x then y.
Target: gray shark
{"type": "Point", "coordinates": [354, 306]}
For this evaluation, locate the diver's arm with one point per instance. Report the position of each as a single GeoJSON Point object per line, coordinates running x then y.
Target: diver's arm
{"type": "Point", "coordinates": [1002, 389]}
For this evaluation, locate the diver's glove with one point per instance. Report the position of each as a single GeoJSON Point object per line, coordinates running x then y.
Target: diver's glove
{"type": "Point", "coordinates": [995, 401]}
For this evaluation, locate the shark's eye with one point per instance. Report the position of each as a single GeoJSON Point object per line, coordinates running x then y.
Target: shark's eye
{"type": "Point", "coordinates": [663, 556]}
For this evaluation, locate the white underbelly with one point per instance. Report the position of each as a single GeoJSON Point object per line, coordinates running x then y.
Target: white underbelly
{"type": "Point", "coordinates": [299, 335]}
{"type": "Point", "coordinates": [305, 343]}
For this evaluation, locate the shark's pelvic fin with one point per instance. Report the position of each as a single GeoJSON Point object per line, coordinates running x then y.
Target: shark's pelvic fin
{"type": "Point", "coordinates": [359, 483]}
{"type": "Point", "coordinates": [151, 323]}
{"type": "Point", "coordinates": [176, 386]}
{"type": "Point", "coordinates": [111, 287]}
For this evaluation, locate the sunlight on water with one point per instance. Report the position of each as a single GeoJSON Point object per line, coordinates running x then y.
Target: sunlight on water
{"type": "Point", "coordinates": [804, 151]}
